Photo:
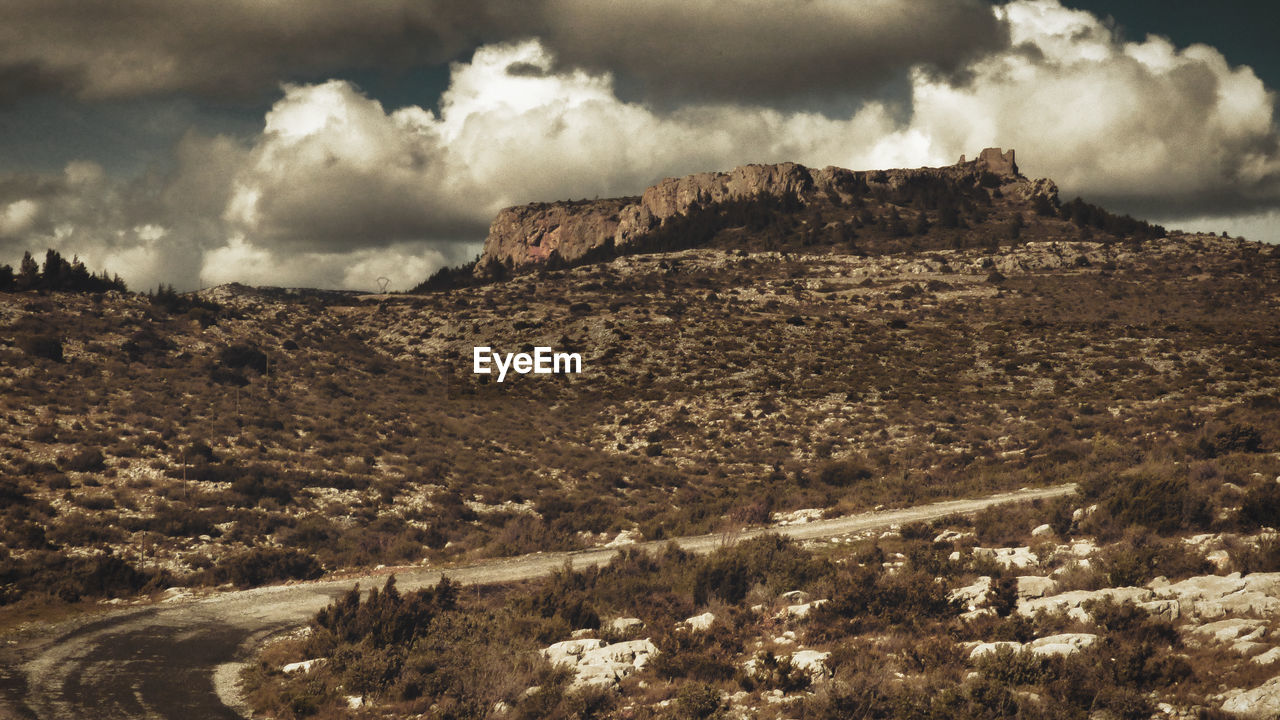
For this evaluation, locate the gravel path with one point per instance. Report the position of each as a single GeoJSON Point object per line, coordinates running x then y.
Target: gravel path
{"type": "Point", "coordinates": [179, 659]}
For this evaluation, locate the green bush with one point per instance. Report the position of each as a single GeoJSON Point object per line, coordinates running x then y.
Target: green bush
{"type": "Point", "coordinates": [241, 356]}
{"type": "Point", "coordinates": [1140, 557]}
{"type": "Point", "coordinates": [696, 701]}
{"type": "Point", "coordinates": [1010, 667]}
{"type": "Point", "coordinates": [1261, 506]}
{"type": "Point", "coordinates": [262, 565]}
{"type": "Point", "coordinates": [41, 346]}
{"type": "Point", "coordinates": [1161, 503]}
{"type": "Point", "coordinates": [88, 459]}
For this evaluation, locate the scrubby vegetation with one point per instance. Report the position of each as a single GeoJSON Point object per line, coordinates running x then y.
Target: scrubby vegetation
{"type": "Point", "coordinates": [895, 639]}
{"type": "Point", "coordinates": [182, 433]}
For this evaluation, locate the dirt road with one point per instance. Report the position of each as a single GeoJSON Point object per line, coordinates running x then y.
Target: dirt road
{"type": "Point", "coordinates": [179, 659]}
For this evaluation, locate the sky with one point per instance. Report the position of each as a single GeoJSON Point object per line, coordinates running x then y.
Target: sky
{"type": "Point", "coordinates": [326, 143]}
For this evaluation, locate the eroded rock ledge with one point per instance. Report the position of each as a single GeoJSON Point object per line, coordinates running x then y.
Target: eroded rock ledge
{"type": "Point", "coordinates": [529, 235]}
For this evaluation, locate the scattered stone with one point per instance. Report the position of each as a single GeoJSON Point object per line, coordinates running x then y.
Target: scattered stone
{"type": "Point", "coordinates": [1042, 531]}
{"type": "Point", "coordinates": [812, 662]}
{"type": "Point", "coordinates": [595, 663]}
{"type": "Point", "coordinates": [1269, 657]}
{"type": "Point", "coordinates": [1070, 602]}
{"type": "Point", "coordinates": [1210, 597]}
{"type": "Point", "coordinates": [992, 647]}
{"type": "Point", "coordinates": [952, 536]}
{"type": "Point", "coordinates": [1062, 644]}
{"type": "Point", "coordinates": [1015, 557]}
{"type": "Point", "coordinates": [1164, 609]}
{"type": "Point", "coordinates": [701, 622]}
{"type": "Point", "coordinates": [1220, 559]}
{"type": "Point", "coordinates": [568, 652]}
{"type": "Point", "coordinates": [973, 596]}
{"type": "Point", "coordinates": [300, 666]}
{"type": "Point", "coordinates": [1260, 702]}
{"type": "Point", "coordinates": [800, 610]}
{"type": "Point", "coordinates": [624, 624]}
{"type": "Point", "coordinates": [795, 596]}
{"type": "Point", "coordinates": [626, 537]}
{"type": "Point", "coordinates": [798, 517]}
{"type": "Point", "coordinates": [1231, 630]}
{"type": "Point", "coordinates": [1034, 586]}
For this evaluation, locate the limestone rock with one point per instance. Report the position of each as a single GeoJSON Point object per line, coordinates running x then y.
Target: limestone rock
{"type": "Point", "coordinates": [800, 610]}
{"type": "Point", "coordinates": [795, 596]}
{"type": "Point", "coordinates": [1034, 586]}
{"type": "Point", "coordinates": [1069, 601]}
{"type": "Point", "coordinates": [1050, 646]}
{"type": "Point", "coordinates": [973, 596]}
{"type": "Point", "coordinates": [568, 652]}
{"type": "Point", "coordinates": [626, 537]}
{"type": "Point", "coordinates": [993, 647]}
{"type": "Point", "coordinates": [1260, 702]}
{"type": "Point", "coordinates": [1269, 657]}
{"type": "Point", "coordinates": [595, 663]}
{"type": "Point", "coordinates": [1014, 557]}
{"type": "Point", "coordinates": [301, 666]}
{"type": "Point", "coordinates": [531, 234]}
{"type": "Point", "coordinates": [701, 622]}
{"type": "Point", "coordinates": [624, 624]}
{"type": "Point", "coordinates": [952, 536]}
{"type": "Point", "coordinates": [1231, 630]}
{"type": "Point", "coordinates": [812, 662]}
{"type": "Point", "coordinates": [1078, 641]}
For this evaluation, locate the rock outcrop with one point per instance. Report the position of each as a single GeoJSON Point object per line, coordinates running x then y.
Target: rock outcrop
{"type": "Point", "coordinates": [529, 235]}
{"type": "Point", "coordinates": [595, 663]}
{"type": "Point", "coordinates": [1260, 702]}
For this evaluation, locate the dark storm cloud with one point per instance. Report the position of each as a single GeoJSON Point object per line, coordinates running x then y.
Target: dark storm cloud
{"type": "Point", "coordinates": [742, 50]}
{"type": "Point", "coordinates": [130, 48]}
{"type": "Point", "coordinates": [24, 79]}
{"type": "Point", "coordinates": [757, 51]}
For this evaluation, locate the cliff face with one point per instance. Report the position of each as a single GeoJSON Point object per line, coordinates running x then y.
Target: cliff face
{"type": "Point", "coordinates": [528, 235]}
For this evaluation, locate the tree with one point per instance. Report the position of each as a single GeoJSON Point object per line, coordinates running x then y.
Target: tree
{"type": "Point", "coordinates": [921, 224]}
{"type": "Point", "coordinates": [28, 273]}
{"type": "Point", "coordinates": [55, 272]}
{"type": "Point", "coordinates": [6, 278]}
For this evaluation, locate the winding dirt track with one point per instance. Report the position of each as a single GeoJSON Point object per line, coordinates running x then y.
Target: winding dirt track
{"type": "Point", "coordinates": [180, 659]}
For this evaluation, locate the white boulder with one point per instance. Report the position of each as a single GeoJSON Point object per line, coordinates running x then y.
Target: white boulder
{"type": "Point", "coordinates": [986, 648]}
{"type": "Point", "coordinates": [812, 662]}
{"type": "Point", "coordinates": [1269, 657]}
{"type": "Point", "coordinates": [624, 624]}
{"type": "Point", "coordinates": [1035, 586]}
{"type": "Point", "coordinates": [972, 596]}
{"type": "Point", "coordinates": [568, 652]}
{"type": "Point", "coordinates": [301, 666]}
{"type": "Point", "coordinates": [1260, 702]}
{"type": "Point", "coordinates": [701, 622]}
{"type": "Point", "coordinates": [1012, 557]}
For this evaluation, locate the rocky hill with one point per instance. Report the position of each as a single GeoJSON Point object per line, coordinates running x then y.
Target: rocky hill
{"type": "Point", "coordinates": [839, 205]}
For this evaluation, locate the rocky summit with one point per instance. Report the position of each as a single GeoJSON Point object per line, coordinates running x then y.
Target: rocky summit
{"type": "Point", "coordinates": [845, 200]}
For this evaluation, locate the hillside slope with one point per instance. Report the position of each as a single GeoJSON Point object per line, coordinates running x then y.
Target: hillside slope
{"type": "Point", "coordinates": [270, 435]}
